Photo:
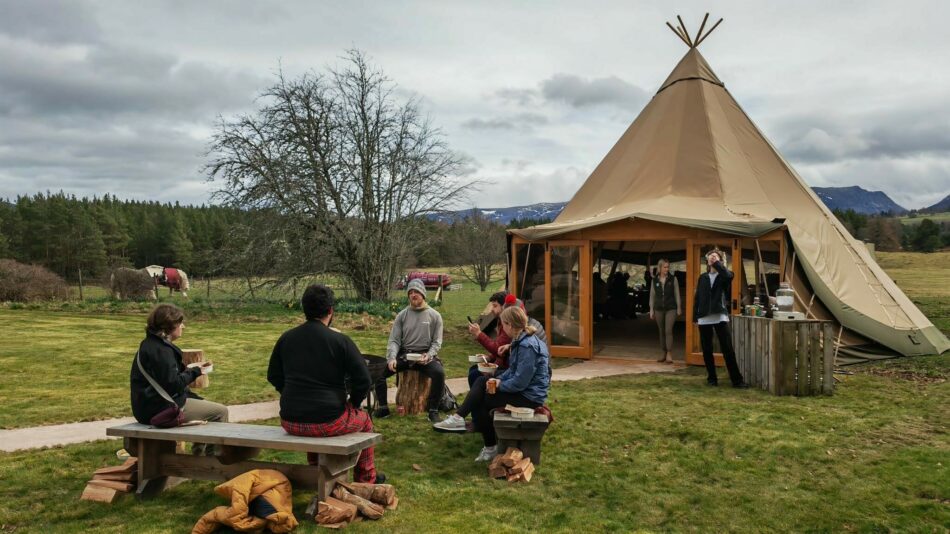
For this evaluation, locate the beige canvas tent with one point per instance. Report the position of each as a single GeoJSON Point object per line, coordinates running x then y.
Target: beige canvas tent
{"type": "Point", "coordinates": [692, 172]}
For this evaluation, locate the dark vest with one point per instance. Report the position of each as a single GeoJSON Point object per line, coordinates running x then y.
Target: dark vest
{"type": "Point", "coordinates": [664, 297]}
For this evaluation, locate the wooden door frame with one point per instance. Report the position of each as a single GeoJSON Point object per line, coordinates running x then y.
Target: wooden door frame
{"type": "Point", "coordinates": [585, 320]}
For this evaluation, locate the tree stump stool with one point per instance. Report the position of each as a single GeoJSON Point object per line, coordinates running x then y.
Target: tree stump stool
{"type": "Point", "coordinates": [413, 391]}
{"type": "Point", "coordinates": [195, 356]}
{"type": "Point", "coordinates": [523, 434]}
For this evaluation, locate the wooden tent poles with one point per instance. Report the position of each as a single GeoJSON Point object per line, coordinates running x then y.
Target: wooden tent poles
{"type": "Point", "coordinates": [683, 34]}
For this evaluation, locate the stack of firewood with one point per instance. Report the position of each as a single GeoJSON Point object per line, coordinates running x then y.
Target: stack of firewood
{"type": "Point", "coordinates": [513, 466]}
{"type": "Point", "coordinates": [111, 483]}
{"type": "Point", "coordinates": [353, 502]}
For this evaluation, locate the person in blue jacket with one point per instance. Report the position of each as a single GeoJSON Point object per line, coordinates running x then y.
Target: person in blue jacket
{"type": "Point", "coordinates": [525, 383]}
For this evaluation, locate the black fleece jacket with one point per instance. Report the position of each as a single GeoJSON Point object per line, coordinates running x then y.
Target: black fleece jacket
{"type": "Point", "coordinates": [715, 299]}
{"type": "Point", "coordinates": [162, 361]}
{"type": "Point", "coordinates": [311, 367]}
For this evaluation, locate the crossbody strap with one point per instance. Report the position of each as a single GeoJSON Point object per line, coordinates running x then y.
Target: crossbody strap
{"type": "Point", "coordinates": [161, 391]}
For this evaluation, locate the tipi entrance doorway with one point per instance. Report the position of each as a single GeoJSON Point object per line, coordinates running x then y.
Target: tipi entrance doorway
{"type": "Point", "coordinates": [621, 280]}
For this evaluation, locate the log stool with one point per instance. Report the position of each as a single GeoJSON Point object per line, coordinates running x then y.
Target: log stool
{"type": "Point", "coordinates": [412, 391]}
{"type": "Point", "coordinates": [524, 434]}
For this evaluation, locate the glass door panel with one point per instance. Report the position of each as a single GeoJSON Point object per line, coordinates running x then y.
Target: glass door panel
{"type": "Point", "coordinates": [569, 298]}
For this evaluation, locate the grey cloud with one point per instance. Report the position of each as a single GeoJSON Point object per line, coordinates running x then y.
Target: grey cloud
{"type": "Point", "coordinates": [581, 93]}
{"type": "Point", "coordinates": [520, 122]}
{"type": "Point", "coordinates": [876, 135]}
{"type": "Point", "coordinates": [48, 21]}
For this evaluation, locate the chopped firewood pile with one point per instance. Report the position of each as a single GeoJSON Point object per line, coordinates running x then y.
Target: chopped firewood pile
{"type": "Point", "coordinates": [513, 466]}
{"type": "Point", "coordinates": [353, 502]}
{"type": "Point", "coordinates": [111, 483]}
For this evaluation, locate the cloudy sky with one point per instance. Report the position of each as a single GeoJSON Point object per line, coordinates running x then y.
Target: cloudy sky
{"type": "Point", "coordinates": [120, 97]}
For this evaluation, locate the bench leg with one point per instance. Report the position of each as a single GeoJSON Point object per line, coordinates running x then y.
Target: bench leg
{"type": "Point", "coordinates": [152, 479]}
{"type": "Point", "coordinates": [332, 468]}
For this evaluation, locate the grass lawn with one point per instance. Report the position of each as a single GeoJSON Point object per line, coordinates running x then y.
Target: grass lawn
{"type": "Point", "coordinates": [935, 217]}
{"type": "Point", "coordinates": [637, 453]}
{"type": "Point", "coordinates": [71, 363]}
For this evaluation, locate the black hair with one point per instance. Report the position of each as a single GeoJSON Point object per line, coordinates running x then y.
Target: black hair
{"type": "Point", "coordinates": [498, 297]}
{"type": "Point", "coordinates": [317, 301]}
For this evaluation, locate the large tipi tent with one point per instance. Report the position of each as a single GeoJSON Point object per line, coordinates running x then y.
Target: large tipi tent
{"type": "Point", "coordinates": [693, 158]}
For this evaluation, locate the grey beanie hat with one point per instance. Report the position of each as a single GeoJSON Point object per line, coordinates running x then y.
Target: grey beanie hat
{"type": "Point", "coordinates": [416, 285]}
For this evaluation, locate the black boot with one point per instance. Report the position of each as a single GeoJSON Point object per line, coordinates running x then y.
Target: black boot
{"type": "Point", "coordinates": [382, 412]}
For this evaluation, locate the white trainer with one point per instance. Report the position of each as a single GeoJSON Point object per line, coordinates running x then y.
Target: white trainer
{"type": "Point", "coordinates": [452, 423]}
{"type": "Point", "coordinates": [488, 454]}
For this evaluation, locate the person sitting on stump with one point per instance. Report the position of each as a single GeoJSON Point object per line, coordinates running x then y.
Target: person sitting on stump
{"type": "Point", "coordinates": [310, 367]}
{"type": "Point", "coordinates": [497, 304]}
{"type": "Point", "coordinates": [525, 384]}
{"type": "Point", "coordinates": [416, 329]}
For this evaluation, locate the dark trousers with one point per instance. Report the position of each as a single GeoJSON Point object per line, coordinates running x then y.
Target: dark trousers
{"type": "Point", "coordinates": [433, 370]}
{"type": "Point", "coordinates": [728, 354]}
{"type": "Point", "coordinates": [480, 404]}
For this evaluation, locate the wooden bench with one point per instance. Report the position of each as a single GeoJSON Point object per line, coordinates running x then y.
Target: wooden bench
{"type": "Point", "coordinates": [238, 443]}
{"type": "Point", "coordinates": [524, 434]}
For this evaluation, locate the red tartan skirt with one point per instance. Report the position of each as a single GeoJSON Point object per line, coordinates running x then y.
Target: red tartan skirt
{"type": "Point", "coordinates": [352, 420]}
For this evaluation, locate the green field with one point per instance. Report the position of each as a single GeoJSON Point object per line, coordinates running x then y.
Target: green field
{"type": "Point", "coordinates": [638, 453]}
{"type": "Point", "coordinates": [935, 217]}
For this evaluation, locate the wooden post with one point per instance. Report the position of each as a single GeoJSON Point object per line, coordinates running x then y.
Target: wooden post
{"type": "Point", "coordinates": [195, 356]}
{"type": "Point", "coordinates": [208, 289]}
{"type": "Point", "coordinates": [80, 284]}
{"type": "Point", "coordinates": [801, 356]}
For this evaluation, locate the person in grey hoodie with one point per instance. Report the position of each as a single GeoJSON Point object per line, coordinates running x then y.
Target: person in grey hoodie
{"type": "Point", "coordinates": [417, 329]}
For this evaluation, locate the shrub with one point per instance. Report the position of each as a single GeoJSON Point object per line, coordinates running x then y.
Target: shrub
{"type": "Point", "coordinates": [26, 283]}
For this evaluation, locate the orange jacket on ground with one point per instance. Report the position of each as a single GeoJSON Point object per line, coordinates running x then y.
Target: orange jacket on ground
{"type": "Point", "coordinates": [268, 484]}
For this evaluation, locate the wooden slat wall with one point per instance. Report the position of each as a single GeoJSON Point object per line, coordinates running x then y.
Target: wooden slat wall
{"type": "Point", "coordinates": [785, 357]}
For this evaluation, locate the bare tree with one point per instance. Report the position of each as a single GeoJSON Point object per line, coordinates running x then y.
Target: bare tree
{"type": "Point", "coordinates": [479, 245]}
{"type": "Point", "coordinates": [337, 156]}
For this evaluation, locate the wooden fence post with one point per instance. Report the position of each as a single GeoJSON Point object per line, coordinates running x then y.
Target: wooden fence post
{"type": "Point", "coordinates": [80, 284]}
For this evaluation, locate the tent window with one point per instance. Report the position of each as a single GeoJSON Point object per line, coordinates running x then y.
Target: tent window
{"type": "Point", "coordinates": [529, 262]}
{"type": "Point", "coordinates": [565, 295]}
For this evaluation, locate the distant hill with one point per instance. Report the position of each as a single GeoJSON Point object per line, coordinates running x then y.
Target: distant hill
{"type": "Point", "coordinates": [939, 207]}
{"type": "Point", "coordinates": [858, 199]}
{"type": "Point", "coordinates": [843, 198]}
{"type": "Point", "coordinates": [540, 211]}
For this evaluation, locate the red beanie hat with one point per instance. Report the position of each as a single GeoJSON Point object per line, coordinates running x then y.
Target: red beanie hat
{"type": "Point", "coordinates": [509, 300]}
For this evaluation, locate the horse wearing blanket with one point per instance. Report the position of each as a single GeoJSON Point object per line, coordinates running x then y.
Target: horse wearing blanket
{"type": "Point", "coordinates": [142, 284]}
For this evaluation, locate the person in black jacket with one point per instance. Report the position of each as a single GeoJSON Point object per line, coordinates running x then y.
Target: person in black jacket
{"type": "Point", "coordinates": [161, 359]}
{"type": "Point", "coordinates": [711, 312]}
{"type": "Point", "coordinates": [311, 367]}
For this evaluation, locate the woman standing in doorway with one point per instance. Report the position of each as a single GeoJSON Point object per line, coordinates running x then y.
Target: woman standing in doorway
{"type": "Point", "coordinates": [665, 306]}
{"type": "Point", "coordinates": [711, 312]}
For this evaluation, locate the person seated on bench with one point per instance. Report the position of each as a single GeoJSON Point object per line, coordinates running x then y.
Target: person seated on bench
{"type": "Point", "coordinates": [161, 359]}
{"type": "Point", "coordinates": [416, 329]}
{"type": "Point", "coordinates": [497, 303]}
{"type": "Point", "coordinates": [310, 367]}
{"type": "Point", "coordinates": [539, 333]}
{"type": "Point", "coordinates": [525, 383]}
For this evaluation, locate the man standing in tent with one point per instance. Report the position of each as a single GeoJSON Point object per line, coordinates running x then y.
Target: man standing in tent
{"type": "Point", "coordinates": [417, 330]}
{"type": "Point", "coordinates": [711, 312]}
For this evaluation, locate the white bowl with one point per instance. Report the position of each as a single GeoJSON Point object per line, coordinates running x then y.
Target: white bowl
{"type": "Point", "coordinates": [413, 356]}
{"type": "Point", "coordinates": [477, 358]}
{"type": "Point", "coordinates": [488, 368]}
{"type": "Point", "coordinates": [519, 412]}
{"type": "Point", "coordinates": [204, 370]}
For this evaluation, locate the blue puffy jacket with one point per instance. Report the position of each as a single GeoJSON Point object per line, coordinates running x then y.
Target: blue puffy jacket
{"type": "Point", "coordinates": [529, 369]}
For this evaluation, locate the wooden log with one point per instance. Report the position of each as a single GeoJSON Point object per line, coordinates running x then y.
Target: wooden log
{"type": "Point", "coordinates": [118, 477]}
{"type": "Point", "coordinates": [528, 473]}
{"type": "Point", "coordinates": [334, 513]}
{"type": "Point", "coordinates": [125, 487]}
{"type": "Point", "coordinates": [383, 494]}
{"type": "Point", "coordinates": [511, 457]}
{"type": "Point", "coordinates": [195, 356]}
{"type": "Point", "coordinates": [130, 465]}
{"type": "Point", "coordinates": [96, 493]}
{"type": "Point", "coordinates": [519, 466]}
{"type": "Point", "coordinates": [413, 392]}
{"type": "Point", "coordinates": [497, 471]}
{"type": "Point", "coordinates": [365, 507]}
